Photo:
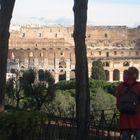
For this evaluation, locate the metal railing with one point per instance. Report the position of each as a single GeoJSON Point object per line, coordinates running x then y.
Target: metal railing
{"type": "Point", "coordinates": [103, 126]}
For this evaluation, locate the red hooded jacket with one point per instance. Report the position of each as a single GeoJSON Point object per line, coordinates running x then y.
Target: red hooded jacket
{"type": "Point", "coordinates": [128, 121]}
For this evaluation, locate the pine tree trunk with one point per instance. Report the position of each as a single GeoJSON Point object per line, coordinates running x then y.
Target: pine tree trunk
{"type": "Point", "coordinates": [6, 9]}
{"type": "Point", "coordinates": [82, 83]}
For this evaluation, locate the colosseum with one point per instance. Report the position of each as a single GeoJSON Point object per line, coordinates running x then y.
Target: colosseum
{"type": "Point", "coordinates": [52, 48]}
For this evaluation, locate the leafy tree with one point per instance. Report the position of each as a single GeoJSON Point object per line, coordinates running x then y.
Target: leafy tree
{"type": "Point", "coordinates": [29, 76]}
{"type": "Point", "coordinates": [111, 88]}
{"type": "Point", "coordinates": [98, 72]}
{"type": "Point", "coordinates": [21, 125]}
{"type": "Point", "coordinates": [63, 105]}
{"type": "Point", "coordinates": [37, 97]}
{"type": "Point", "coordinates": [82, 83]}
{"type": "Point", "coordinates": [101, 100]}
{"type": "Point", "coordinates": [26, 93]}
{"type": "Point", "coordinates": [37, 93]}
{"type": "Point", "coordinates": [14, 93]}
{"type": "Point", "coordinates": [6, 9]}
{"type": "Point", "coordinates": [27, 81]}
{"type": "Point", "coordinates": [66, 85]}
{"type": "Point", "coordinates": [41, 75]}
{"type": "Point", "coordinates": [49, 78]}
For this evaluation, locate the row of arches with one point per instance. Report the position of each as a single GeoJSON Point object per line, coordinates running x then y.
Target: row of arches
{"type": "Point", "coordinates": [125, 64]}
{"type": "Point", "coordinates": [62, 74]}
{"type": "Point", "coordinates": [117, 75]}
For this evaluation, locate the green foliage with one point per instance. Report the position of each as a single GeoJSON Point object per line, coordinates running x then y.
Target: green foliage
{"type": "Point", "coordinates": [66, 85]}
{"type": "Point", "coordinates": [40, 92]}
{"type": "Point", "coordinates": [59, 99]}
{"type": "Point", "coordinates": [100, 95]}
{"type": "Point", "coordinates": [28, 94]}
{"type": "Point", "coordinates": [106, 86]}
{"type": "Point", "coordinates": [14, 93]}
{"type": "Point", "coordinates": [100, 100]}
{"type": "Point", "coordinates": [63, 104]}
{"type": "Point", "coordinates": [49, 78]}
{"type": "Point", "coordinates": [29, 76]}
{"type": "Point", "coordinates": [21, 125]}
{"type": "Point", "coordinates": [93, 84]}
{"type": "Point", "coordinates": [111, 88]}
{"type": "Point", "coordinates": [98, 72]}
{"type": "Point", "coordinates": [41, 75]}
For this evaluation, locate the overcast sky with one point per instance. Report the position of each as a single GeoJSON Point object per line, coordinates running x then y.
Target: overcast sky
{"type": "Point", "coordinates": [100, 12]}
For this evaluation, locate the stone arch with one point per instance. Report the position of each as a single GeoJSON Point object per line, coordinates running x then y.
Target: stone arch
{"type": "Point", "coordinates": [23, 34]}
{"type": "Point", "coordinates": [136, 72]}
{"type": "Point", "coordinates": [62, 64]}
{"type": "Point", "coordinates": [107, 54]}
{"type": "Point", "coordinates": [41, 54]}
{"type": "Point", "coordinates": [107, 75]}
{"type": "Point", "coordinates": [72, 74]}
{"type": "Point", "coordinates": [22, 67]}
{"type": "Point", "coordinates": [31, 54]}
{"type": "Point", "coordinates": [106, 64]}
{"type": "Point", "coordinates": [13, 70]}
{"type": "Point", "coordinates": [53, 73]}
{"type": "Point", "coordinates": [116, 75]}
{"type": "Point", "coordinates": [62, 75]}
{"type": "Point", "coordinates": [13, 55]}
{"type": "Point", "coordinates": [126, 64]}
{"type": "Point", "coordinates": [41, 75]}
{"type": "Point", "coordinates": [124, 73]}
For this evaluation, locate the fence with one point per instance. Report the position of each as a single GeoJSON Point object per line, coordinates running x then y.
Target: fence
{"type": "Point", "coordinates": [103, 126]}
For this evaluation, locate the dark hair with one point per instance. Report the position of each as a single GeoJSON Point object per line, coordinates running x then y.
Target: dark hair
{"type": "Point", "coordinates": [133, 72]}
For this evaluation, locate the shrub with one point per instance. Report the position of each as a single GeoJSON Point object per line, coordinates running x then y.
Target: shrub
{"type": "Point", "coordinates": [21, 125]}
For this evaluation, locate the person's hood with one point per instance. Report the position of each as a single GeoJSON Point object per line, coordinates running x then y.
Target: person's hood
{"type": "Point", "coordinates": [130, 80]}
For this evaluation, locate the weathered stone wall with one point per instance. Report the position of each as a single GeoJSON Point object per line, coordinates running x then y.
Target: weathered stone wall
{"type": "Point", "coordinates": [52, 48]}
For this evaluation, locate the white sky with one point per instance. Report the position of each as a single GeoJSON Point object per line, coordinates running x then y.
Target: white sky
{"type": "Point", "coordinates": [100, 12]}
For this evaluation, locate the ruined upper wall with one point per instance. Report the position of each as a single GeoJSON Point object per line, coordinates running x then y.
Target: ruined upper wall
{"type": "Point", "coordinates": [33, 36]}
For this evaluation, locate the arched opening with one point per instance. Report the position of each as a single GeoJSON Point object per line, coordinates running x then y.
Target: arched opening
{"type": "Point", "coordinates": [53, 73]}
{"type": "Point", "coordinates": [124, 73]}
{"type": "Point", "coordinates": [135, 71]}
{"type": "Point", "coordinates": [62, 75]}
{"type": "Point", "coordinates": [107, 54]}
{"type": "Point", "coordinates": [126, 64]}
{"type": "Point", "coordinates": [62, 64]}
{"type": "Point", "coordinates": [13, 55]}
{"type": "Point", "coordinates": [116, 75]}
{"type": "Point", "coordinates": [13, 70]}
{"type": "Point", "coordinates": [106, 64]}
{"type": "Point", "coordinates": [31, 54]}
{"type": "Point", "coordinates": [107, 75]}
{"type": "Point", "coordinates": [41, 75]}
{"type": "Point", "coordinates": [72, 74]}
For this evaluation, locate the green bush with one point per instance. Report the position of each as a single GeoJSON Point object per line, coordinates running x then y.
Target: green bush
{"type": "Point", "coordinates": [98, 72]}
{"type": "Point", "coordinates": [66, 85]}
{"type": "Point", "coordinates": [63, 104]}
{"type": "Point", "coordinates": [102, 100]}
{"type": "Point", "coordinates": [21, 125]}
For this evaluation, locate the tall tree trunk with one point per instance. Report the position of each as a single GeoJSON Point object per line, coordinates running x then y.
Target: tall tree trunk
{"type": "Point", "coordinates": [82, 83]}
{"type": "Point", "coordinates": [6, 9]}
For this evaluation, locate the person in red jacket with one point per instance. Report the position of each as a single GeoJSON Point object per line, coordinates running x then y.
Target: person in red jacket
{"type": "Point", "coordinates": [129, 124]}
